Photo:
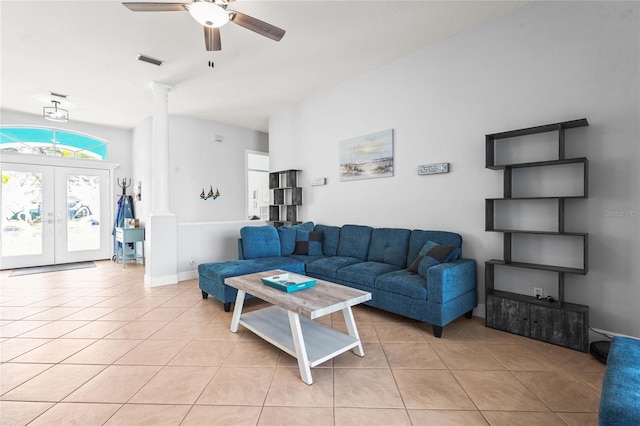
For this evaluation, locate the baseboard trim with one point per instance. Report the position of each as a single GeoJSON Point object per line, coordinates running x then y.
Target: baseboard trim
{"type": "Point", "coordinates": [596, 334]}
{"type": "Point", "coordinates": [480, 311]}
{"type": "Point", "coordinates": [188, 275]}
{"type": "Point", "coordinates": [160, 281]}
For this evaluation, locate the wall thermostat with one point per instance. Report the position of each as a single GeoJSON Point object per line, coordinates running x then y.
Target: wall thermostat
{"type": "Point", "coordinates": [318, 181]}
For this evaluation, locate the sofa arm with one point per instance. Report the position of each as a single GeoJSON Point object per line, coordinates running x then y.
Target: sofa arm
{"type": "Point", "coordinates": [447, 281]}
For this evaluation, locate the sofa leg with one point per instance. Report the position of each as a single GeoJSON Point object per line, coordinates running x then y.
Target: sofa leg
{"type": "Point", "coordinates": [437, 331]}
{"type": "Point", "coordinates": [469, 314]}
{"type": "Point", "coordinates": [227, 306]}
{"type": "Point", "coordinates": [205, 295]}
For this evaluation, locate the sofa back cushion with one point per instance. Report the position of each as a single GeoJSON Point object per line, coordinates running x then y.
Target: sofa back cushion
{"type": "Point", "coordinates": [330, 239]}
{"type": "Point", "coordinates": [389, 245]}
{"type": "Point", "coordinates": [260, 241]}
{"type": "Point", "coordinates": [354, 241]}
{"type": "Point", "coordinates": [288, 234]}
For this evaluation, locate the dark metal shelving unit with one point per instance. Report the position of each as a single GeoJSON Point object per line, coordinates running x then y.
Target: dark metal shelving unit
{"type": "Point", "coordinates": [287, 196]}
{"type": "Point", "coordinates": [556, 321]}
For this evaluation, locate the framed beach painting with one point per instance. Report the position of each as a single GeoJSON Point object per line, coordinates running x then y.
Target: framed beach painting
{"type": "Point", "coordinates": [366, 157]}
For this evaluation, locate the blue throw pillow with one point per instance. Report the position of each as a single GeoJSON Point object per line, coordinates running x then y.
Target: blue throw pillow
{"type": "Point", "coordinates": [287, 236]}
{"type": "Point", "coordinates": [308, 243]}
{"type": "Point", "coordinates": [432, 254]}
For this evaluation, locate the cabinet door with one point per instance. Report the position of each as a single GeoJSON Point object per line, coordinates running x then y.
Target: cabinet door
{"type": "Point", "coordinates": [560, 326]}
{"type": "Point", "coordinates": [508, 315]}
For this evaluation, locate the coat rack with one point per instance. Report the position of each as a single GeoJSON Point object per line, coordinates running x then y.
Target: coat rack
{"type": "Point", "coordinates": [124, 185]}
{"type": "Point", "coordinates": [211, 194]}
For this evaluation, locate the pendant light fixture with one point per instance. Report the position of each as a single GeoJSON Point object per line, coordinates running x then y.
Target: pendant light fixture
{"type": "Point", "coordinates": [54, 113]}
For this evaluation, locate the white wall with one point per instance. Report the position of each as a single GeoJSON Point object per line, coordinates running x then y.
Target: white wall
{"type": "Point", "coordinates": [208, 242]}
{"type": "Point", "coordinates": [544, 63]}
{"type": "Point", "coordinates": [197, 161]}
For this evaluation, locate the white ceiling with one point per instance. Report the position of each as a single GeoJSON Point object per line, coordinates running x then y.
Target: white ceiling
{"type": "Point", "coordinates": [88, 49]}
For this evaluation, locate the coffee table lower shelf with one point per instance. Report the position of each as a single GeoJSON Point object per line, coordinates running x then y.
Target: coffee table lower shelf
{"type": "Point", "coordinates": [322, 342]}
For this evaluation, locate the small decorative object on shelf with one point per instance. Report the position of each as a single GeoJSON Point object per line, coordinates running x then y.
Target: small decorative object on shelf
{"type": "Point", "coordinates": [542, 318]}
{"type": "Point", "coordinates": [211, 194]}
{"type": "Point", "coordinates": [286, 197]}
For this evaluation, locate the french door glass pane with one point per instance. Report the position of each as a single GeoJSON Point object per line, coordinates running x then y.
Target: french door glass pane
{"type": "Point", "coordinates": [83, 212]}
{"type": "Point", "coordinates": [21, 213]}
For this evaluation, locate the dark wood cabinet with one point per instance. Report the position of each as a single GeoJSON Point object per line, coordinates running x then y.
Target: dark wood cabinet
{"type": "Point", "coordinates": [286, 197]}
{"type": "Point", "coordinates": [550, 320]}
{"type": "Point", "coordinates": [563, 324]}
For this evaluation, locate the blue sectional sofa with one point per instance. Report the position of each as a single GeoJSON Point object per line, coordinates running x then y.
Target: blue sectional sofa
{"type": "Point", "coordinates": [415, 273]}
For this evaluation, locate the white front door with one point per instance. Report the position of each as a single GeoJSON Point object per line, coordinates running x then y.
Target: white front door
{"type": "Point", "coordinates": [53, 215]}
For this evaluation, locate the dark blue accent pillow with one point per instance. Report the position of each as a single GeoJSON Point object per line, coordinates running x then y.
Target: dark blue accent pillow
{"type": "Point", "coordinates": [308, 243]}
{"type": "Point", "coordinates": [287, 236]}
{"type": "Point", "coordinates": [432, 254]}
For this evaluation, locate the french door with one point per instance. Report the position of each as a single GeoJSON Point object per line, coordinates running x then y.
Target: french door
{"type": "Point", "coordinates": [53, 215]}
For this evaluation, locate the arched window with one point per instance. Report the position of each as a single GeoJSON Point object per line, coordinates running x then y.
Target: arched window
{"type": "Point", "coordinates": [47, 141]}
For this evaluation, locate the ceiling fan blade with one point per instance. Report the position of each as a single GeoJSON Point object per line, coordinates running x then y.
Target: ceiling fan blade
{"type": "Point", "coordinates": [212, 38]}
{"type": "Point", "coordinates": [156, 7]}
{"type": "Point", "coordinates": [256, 25]}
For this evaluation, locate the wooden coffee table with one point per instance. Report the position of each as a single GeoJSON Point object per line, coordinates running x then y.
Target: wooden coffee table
{"type": "Point", "coordinates": [310, 342]}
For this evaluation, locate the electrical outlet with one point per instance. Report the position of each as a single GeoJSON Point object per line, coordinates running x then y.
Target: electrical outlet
{"type": "Point", "coordinates": [537, 292]}
{"type": "Point", "coordinates": [192, 261]}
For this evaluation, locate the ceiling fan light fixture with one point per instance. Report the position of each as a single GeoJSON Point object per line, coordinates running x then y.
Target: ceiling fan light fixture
{"type": "Point", "coordinates": [208, 13]}
{"type": "Point", "coordinates": [53, 113]}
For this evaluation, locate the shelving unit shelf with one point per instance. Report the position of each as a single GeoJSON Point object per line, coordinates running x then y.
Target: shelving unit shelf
{"type": "Point", "coordinates": [554, 321]}
{"type": "Point", "coordinates": [286, 197]}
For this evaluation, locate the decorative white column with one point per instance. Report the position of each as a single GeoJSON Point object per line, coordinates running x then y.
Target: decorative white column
{"type": "Point", "coordinates": [160, 149]}
{"type": "Point", "coordinates": [161, 266]}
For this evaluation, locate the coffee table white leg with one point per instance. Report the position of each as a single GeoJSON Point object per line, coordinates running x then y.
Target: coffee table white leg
{"type": "Point", "coordinates": [301, 350]}
{"type": "Point", "coordinates": [237, 311]}
{"type": "Point", "coordinates": [351, 328]}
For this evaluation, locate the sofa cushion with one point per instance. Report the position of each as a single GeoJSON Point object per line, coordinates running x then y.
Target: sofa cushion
{"type": "Point", "coordinates": [419, 237]}
{"type": "Point", "coordinates": [287, 236]}
{"type": "Point", "coordinates": [308, 243]}
{"type": "Point", "coordinates": [354, 241]}
{"type": "Point", "coordinates": [389, 245]}
{"type": "Point", "coordinates": [403, 282]}
{"type": "Point", "coordinates": [364, 273]}
{"type": "Point", "coordinates": [220, 270]}
{"type": "Point", "coordinates": [328, 266]}
{"type": "Point", "coordinates": [303, 258]}
{"type": "Point", "coordinates": [431, 254]}
{"type": "Point", "coordinates": [260, 241]}
{"type": "Point", "coordinates": [330, 240]}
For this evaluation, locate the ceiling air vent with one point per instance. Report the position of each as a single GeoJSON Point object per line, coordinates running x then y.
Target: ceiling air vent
{"type": "Point", "coordinates": [150, 60]}
{"type": "Point", "coordinates": [58, 95]}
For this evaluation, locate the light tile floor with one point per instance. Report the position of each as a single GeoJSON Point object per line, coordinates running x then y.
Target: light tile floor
{"type": "Point", "coordinates": [95, 346]}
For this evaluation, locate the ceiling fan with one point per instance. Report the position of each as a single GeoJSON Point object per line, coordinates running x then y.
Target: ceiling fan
{"type": "Point", "coordinates": [212, 14]}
